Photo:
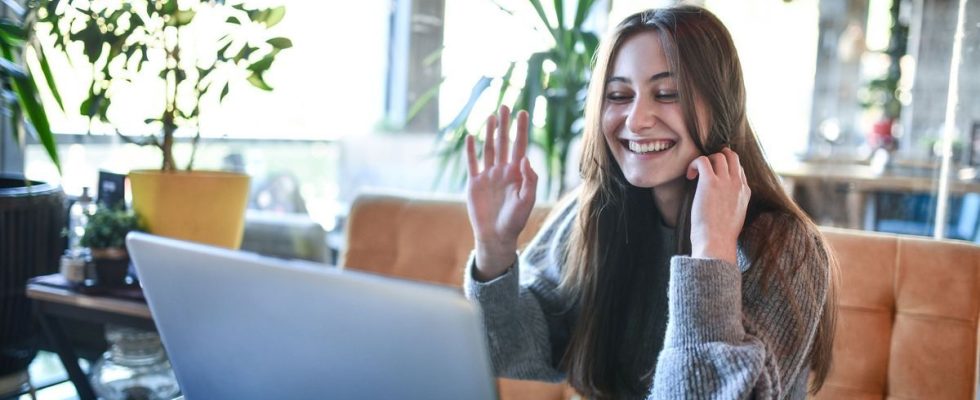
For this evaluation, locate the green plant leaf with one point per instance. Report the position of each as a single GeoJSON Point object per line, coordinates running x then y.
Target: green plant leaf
{"type": "Point", "coordinates": [184, 17]}
{"type": "Point", "coordinates": [560, 14]}
{"type": "Point", "coordinates": [92, 40]}
{"type": "Point", "coordinates": [269, 16]}
{"type": "Point", "coordinates": [280, 43]}
{"type": "Point", "coordinates": [460, 120]}
{"type": "Point", "coordinates": [244, 53]}
{"type": "Point", "coordinates": [533, 83]}
{"type": "Point", "coordinates": [27, 97]}
{"type": "Point", "coordinates": [42, 60]}
{"type": "Point", "coordinates": [86, 108]}
{"type": "Point", "coordinates": [544, 18]}
{"type": "Point", "coordinates": [11, 33]}
{"type": "Point", "coordinates": [505, 84]}
{"type": "Point", "coordinates": [256, 80]}
{"type": "Point", "coordinates": [582, 12]}
{"type": "Point", "coordinates": [224, 92]}
{"type": "Point", "coordinates": [262, 64]}
{"type": "Point", "coordinates": [433, 57]}
{"type": "Point", "coordinates": [104, 108]}
{"type": "Point", "coordinates": [168, 7]}
{"type": "Point", "coordinates": [424, 99]}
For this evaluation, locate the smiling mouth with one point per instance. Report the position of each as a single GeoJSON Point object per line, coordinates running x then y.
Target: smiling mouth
{"type": "Point", "coordinates": [649, 146]}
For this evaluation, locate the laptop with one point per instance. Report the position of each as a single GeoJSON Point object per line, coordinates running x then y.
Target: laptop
{"type": "Point", "coordinates": [238, 325]}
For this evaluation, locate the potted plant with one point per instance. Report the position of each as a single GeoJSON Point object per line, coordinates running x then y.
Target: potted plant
{"type": "Point", "coordinates": [105, 235]}
{"type": "Point", "coordinates": [31, 213]}
{"type": "Point", "coordinates": [562, 88]}
{"type": "Point", "coordinates": [121, 40]}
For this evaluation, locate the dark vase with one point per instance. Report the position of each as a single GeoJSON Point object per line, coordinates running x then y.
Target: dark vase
{"type": "Point", "coordinates": [31, 221]}
{"type": "Point", "coordinates": [111, 266]}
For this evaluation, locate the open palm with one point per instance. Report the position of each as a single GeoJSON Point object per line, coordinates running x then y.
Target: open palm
{"type": "Point", "coordinates": [501, 196]}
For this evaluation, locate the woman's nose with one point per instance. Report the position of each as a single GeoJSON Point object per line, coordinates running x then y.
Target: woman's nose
{"type": "Point", "coordinates": [642, 115]}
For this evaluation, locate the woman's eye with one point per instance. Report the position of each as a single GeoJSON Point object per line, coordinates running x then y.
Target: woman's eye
{"type": "Point", "coordinates": [666, 97]}
{"type": "Point", "coordinates": [618, 97]}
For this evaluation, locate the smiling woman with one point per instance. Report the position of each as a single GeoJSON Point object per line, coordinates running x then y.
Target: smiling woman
{"type": "Point", "coordinates": [663, 276]}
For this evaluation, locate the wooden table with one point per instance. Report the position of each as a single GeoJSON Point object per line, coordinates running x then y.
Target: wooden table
{"type": "Point", "coordinates": [53, 303]}
{"type": "Point", "coordinates": [861, 182]}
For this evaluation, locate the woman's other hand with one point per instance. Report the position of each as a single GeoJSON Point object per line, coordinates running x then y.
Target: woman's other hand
{"type": "Point", "coordinates": [501, 196]}
{"type": "Point", "coordinates": [720, 202]}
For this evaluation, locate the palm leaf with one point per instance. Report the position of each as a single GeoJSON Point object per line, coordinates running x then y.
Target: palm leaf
{"type": "Point", "coordinates": [48, 77]}
{"type": "Point", "coordinates": [582, 11]}
{"type": "Point", "coordinates": [544, 18]}
{"type": "Point", "coordinates": [562, 90]}
{"type": "Point", "coordinates": [481, 85]}
{"type": "Point", "coordinates": [25, 90]}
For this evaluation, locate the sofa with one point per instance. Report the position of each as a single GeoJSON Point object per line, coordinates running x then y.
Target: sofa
{"type": "Point", "coordinates": [907, 307]}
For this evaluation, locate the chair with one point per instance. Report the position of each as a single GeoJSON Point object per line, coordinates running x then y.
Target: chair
{"type": "Point", "coordinates": [907, 317]}
{"type": "Point", "coordinates": [908, 307]}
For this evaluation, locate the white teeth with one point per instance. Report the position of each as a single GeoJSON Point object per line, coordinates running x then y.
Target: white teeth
{"type": "Point", "coordinates": [648, 147]}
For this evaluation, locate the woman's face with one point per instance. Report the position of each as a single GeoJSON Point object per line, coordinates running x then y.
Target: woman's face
{"type": "Point", "coordinates": [642, 119]}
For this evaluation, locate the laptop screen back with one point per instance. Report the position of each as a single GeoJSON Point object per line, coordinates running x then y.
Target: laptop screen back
{"type": "Point", "coordinates": [242, 326]}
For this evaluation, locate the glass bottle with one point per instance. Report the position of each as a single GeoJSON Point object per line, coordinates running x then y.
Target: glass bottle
{"type": "Point", "coordinates": [78, 216]}
{"type": "Point", "coordinates": [134, 368]}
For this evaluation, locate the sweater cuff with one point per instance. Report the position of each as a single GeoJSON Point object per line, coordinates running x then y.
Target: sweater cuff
{"type": "Point", "coordinates": [704, 302]}
{"type": "Point", "coordinates": [495, 290]}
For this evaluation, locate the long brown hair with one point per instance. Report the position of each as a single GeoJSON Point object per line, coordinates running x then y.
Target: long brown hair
{"type": "Point", "coordinates": [602, 263]}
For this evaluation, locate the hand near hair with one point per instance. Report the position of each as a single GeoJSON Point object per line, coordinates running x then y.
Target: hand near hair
{"type": "Point", "coordinates": [720, 202]}
{"type": "Point", "coordinates": [499, 198]}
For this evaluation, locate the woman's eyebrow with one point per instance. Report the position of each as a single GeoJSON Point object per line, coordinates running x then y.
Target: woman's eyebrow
{"type": "Point", "coordinates": [655, 77]}
{"type": "Point", "coordinates": [661, 75]}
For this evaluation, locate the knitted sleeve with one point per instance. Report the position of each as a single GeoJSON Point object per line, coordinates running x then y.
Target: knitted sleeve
{"type": "Point", "coordinates": [729, 338]}
{"type": "Point", "coordinates": [526, 319]}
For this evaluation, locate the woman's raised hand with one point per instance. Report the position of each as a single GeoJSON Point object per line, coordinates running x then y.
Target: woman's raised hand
{"type": "Point", "coordinates": [720, 202]}
{"type": "Point", "coordinates": [501, 196]}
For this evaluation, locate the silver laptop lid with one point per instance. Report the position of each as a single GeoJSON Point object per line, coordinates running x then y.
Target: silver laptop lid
{"type": "Point", "coordinates": [241, 326]}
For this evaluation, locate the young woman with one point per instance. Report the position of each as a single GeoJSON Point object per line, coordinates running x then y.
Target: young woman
{"type": "Point", "coordinates": [681, 269]}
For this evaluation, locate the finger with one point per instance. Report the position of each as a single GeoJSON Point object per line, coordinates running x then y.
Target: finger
{"type": "Point", "coordinates": [520, 143]}
{"type": "Point", "coordinates": [741, 176]}
{"type": "Point", "coordinates": [734, 162]}
{"type": "Point", "coordinates": [529, 187]}
{"type": "Point", "coordinates": [699, 167]}
{"type": "Point", "coordinates": [488, 143]}
{"type": "Point", "coordinates": [503, 138]}
{"type": "Point", "coordinates": [471, 156]}
{"type": "Point", "coordinates": [719, 164]}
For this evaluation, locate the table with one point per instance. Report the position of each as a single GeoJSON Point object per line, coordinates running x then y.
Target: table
{"type": "Point", "coordinates": [53, 303]}
{"type": "Point", "coordinates": [862, 181]}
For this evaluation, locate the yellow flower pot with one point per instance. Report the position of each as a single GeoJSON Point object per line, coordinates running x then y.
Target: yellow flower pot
{"type": "Point", "coordinates": [201, 206]}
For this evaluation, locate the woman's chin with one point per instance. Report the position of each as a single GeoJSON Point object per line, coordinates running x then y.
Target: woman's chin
{"type": "Point", "coordinates": [650, 182]}
{"type": "Point", "coordinates": [644, 182]}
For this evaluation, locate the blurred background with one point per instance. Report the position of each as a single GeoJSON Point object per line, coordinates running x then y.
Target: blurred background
{"type": "Point", "coordinates": [866, 108]}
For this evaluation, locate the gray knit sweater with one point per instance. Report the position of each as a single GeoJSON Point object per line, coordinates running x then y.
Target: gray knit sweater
{"type": "Point", "coordinates": [724, 338]}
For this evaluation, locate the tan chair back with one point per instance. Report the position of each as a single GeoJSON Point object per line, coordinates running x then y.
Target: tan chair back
{"type": "Point", "coordinates": [423, 239]}
{"type": "Point", "coordinates": [907, 317]}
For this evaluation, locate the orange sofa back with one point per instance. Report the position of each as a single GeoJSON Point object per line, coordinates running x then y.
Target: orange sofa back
{"type": "Point", "coordinates": [907, 307]}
